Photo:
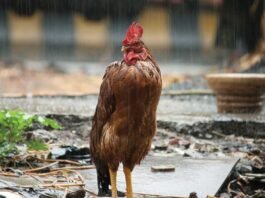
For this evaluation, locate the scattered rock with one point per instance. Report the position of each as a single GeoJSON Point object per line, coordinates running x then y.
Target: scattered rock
{"type": "Point", "coordinates": [192, 153]}
{"type": "Point", "coordinates": [179, 151]}
{"type": "Point", "coordinates": [243, 168]}
{"type": "Point", "coordinates": [161, 147]}
{"type": "Point", "coordinates": [193, 195]}
{"type": "Point", "coordinates": [7, 194]}
{"type": "Point", "coordinates": [46, 136]}
{"type": "Point", "coordinates": [224, 195]}
{"type": "Point", "coordinates": [76, 194]}
{"type": "Point", "coordinates": [180, 142]}
{"type": "Point", "coordinates": [163, 168]}
{"type": "Point", "coordinates": [81, 155]}
{"type": "Point", "coordinates": [174, 141]}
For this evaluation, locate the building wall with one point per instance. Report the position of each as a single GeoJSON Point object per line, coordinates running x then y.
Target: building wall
{"type": "Point", "coordinates": [58, 35]}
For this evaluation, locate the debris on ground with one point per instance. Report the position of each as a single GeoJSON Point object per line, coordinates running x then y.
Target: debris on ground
{"type": "Point", "coordinates": [247, 178]}
{"type": "Point", "coordinates": [57, 168]}
{"type": "Point", "coordinates": [59, 171]}
{"type": "Point", "coordinates": [81, 155]}
{"type": "Point", "coordinates": [163, 168]}
{"type": "Point", "coordinates": [60, 176]}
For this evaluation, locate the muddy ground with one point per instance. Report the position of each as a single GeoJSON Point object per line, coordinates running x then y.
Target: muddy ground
{"type": "Point", "coordinates": [189, 127]}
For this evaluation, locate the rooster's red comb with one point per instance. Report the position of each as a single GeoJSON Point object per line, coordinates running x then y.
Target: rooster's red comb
{"type": "Point", "coordinates": [134, 33]}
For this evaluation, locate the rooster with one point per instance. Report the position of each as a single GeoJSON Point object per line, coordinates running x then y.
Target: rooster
{"type": "Point", "coordinates": [124, 122]}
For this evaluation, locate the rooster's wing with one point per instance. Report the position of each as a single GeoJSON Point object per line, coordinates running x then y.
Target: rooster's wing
{"type": "Point", "coordinates": [104, 110]}
{"type": "Point", "coordinates": [105, 106]}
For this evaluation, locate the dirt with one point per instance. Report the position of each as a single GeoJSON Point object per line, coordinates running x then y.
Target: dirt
{"type": "Point", "coordinates": [169, 144]}
{"type": "Point", "coordinates": [197, 158]}
{"type": "Point", "coordinates": [16, 81]}
{"type": "Point", "coordinates": [188, 114]}
{"type": "Point", "coordinates": [20, 80]}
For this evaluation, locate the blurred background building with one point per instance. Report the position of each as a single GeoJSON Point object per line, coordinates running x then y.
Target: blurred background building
{"type": "Point", "coordinates": [202, 32]}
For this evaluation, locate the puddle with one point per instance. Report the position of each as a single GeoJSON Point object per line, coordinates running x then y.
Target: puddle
{"type": "Point", "coordinates": [202, 176]}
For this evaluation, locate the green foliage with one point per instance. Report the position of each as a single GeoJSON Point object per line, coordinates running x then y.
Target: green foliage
{"type": "Point", "coordinates": [13, 123]}
{"type": "Point", "coordinates": [48, 122]}
{"type": "Point", "coordinates": [6, 149]}
{"type": "Point", "coordinates": [37, 145]}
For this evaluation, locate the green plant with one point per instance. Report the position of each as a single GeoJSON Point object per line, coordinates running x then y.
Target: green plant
{"type": "Point", "coordinates": [13, 123]}
{"type": "Point", "coordinates": [37, 145]}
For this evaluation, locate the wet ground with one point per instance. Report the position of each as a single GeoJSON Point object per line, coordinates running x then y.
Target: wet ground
{"type": "Point", "coordinates": [203, 176]}
{"type": "Point", "coordinates": [192, 136]}
{"type": "Point", "coordinates": [183, 112]}
{"type": "Point", "coordinates": [190, 175]}
{"type": "Point", "coordinates": [171, 104]}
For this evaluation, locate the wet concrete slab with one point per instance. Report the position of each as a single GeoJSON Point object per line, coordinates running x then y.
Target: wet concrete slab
{"type": "Point", "coordinates": [191, 175]}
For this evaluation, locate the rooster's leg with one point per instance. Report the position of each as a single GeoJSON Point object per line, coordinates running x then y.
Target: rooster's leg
{"type": "Point", "coordinates": [128, 178]}
{"type": "Point", "coordinates": [113, 180]}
